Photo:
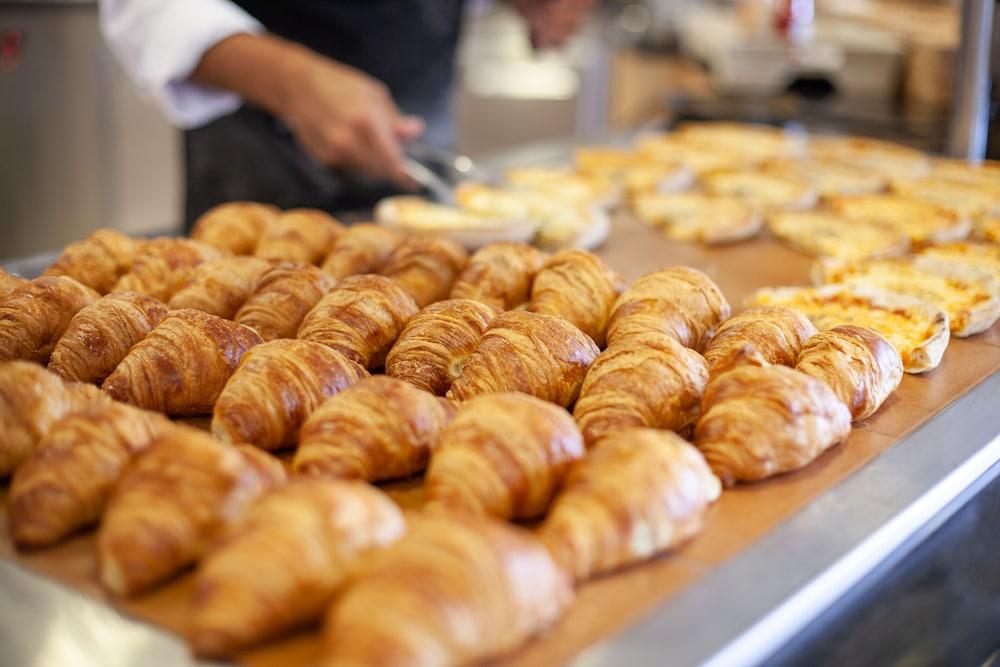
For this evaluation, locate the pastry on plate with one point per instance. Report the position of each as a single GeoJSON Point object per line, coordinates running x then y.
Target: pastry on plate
{"type": "Point", "coordinates": [696, 158]}
{"type": "Point", "coordinates": [220, 286]}
{"type": "Point", "coordinates": [656, 176]}
{"type": "Point", "coordinates": [982, 256]}
{"type": "Point", "coordinates": [235, 227]}
{"type": "Point", "coordinates": [885, 158]}
{"type": "Point", "coordinates": [828, 177]}
{"type": "Point", "coordinates": [923, 222]}
{"type": "Point", "coordinates": [579, 287]}
{"type": "Point", "coordinates": [363, 248]}
{"type": "Point", "coordinates": [35, 316]}
{"type": "Point", "coordinates": [758, 336]}
{"type": "Point", "coordinates": [302, 235]}
{"type": "Point", "coordinates": [426, 268]}
{"type": "Point", "coordinates": [97, 261]}
{"type": "Point", "coordinates": [163, 266]}
{"type": "Point", "coordinates": [754, 142]}
{"type": "Point", "coordinates": [471, 228]}
{"type": "Point", "coordinates": [282, 298]}
{"type": "Point", "coordinates": [966, 199]}
{"type": "Point", "coordinates": [762, 190]}
{"type": "Point", "coordinates": [500, 274]}
{"type": "Point", "coordinates": [565, 184]}
{"type": "Point", "coordinates": [824, 234]}
{"type": "Point", "coordinates": [696, 216]}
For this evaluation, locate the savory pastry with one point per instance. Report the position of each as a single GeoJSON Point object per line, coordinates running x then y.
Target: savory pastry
{"type": "Point", "coordinates": [172, 502]}
{"type": "Point", "coordinates": [101, 334]}
{"type": "Point", "coordinates": [823, 234]}
{"type": "Point", "coordinates": [64, 485]}
{"type": "Point", "coordinates": [276, 386]}
{"type": "Point", "coordinates": [541, 355]}
{"type": "Point", "coordinates": [649, 176]}
{"type": "Point", "coordinates": [982, 256]}
{"type": "Point", "coordinates": [97, 261]}
{"type": "Point", "coordinates": [753, 142]}
{"type": "Point", "coordinates": [35, 316]}
{"type": "Point", "coordinates": [9, 283]}
{"type": "Point", "coordinates": [699, 158]}
{"type": "Point", "coordinates": [679, 301]}
{"type": "Point", "coordinates": [426, 268]}
{"type": "Point", "coordinates": [609, 162]}
{"type": "Point", "coordinates": [361, 318]}
{"type": "Point", "coordinates": [758, 336]}
{"type": "Point", "coordinates": [282, 298]}
{"type": "Point", "coordinates": [762, 190]}
{"type": "Point", "coordinates": [579, 287]}
{"type": "Point", "coordinates": [968, 200]}
{"type": "Point", "coordinates": [988, 228]}
{"type": "Point", "coordinates": [829, 177]}
{"type": "Point", "coordinates": [640, 493]}
{"type": "Point", "coordinates": [361, 249]}
{"type": "Point", "coordinates": [304, 538]}
{"type": "Point", "coordinates": [182, 366]}
{"type": "Point", "coordinates": [503, 455]}
{"type": "Point", "coordinates": [858, 364]}
{"type": "Point", "coordinates": [761, 421]}
{"type": "Point", "coordinates": [435, 345]}
{"type": "Point", "coordinates": [303, 235]}
{"type": "Point", "coordinates": [984, 173]}
{"type": "Point", "coordinates": [696, 216]}
{"type": "Point", "coordinates": [923, 222]}
{"type": "Point", "coordinates": [484, 589]}
{"type": "Point", "coordinates": [164, 266]}
{"type": "Point", "coordinates": [379, 429]}
{"type": "Point", "coordinates": [645, 380]}
{"type": "Point", "coordinates": [220, 286]}
{"type": "Point", "coordinates": [500, 274]}
{"type": "Point", "coordinates": [235, 227]}
{"type": "Point", "coordinates": [471, 228]}
{"type": "Point", "coordinates": [565, 184]}
{"type": "Point", "coordinates": [885, 158]}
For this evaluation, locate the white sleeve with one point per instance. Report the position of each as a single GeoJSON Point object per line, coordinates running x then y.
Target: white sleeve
{"type": "Point", "coordinates": [161, 42]}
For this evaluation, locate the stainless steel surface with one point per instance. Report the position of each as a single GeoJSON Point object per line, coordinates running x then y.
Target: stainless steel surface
{"type": "Point", "coordinates": [970, 111]}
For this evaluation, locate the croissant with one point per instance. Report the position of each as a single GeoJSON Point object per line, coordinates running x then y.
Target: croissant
{"type": "Point", "coordinates": [361, 318]}
{"type": "Point", "coordinates": [277, 385]}
{"type": "Point", "coordinates": [101, 334]}
{"type": "Point", "coordinates": [679, 301]}
{"type": "Point", "coordinates": [182, 366]}
{"type": "Point", "coordinates": [362, 248]}
{"type": "Point", "coordinates": [451, 592]}
{"type": "Point", "coordinates": [640, 493]}
{"type": "Point", "coordinates": [500, 274]}
{"type": "Point", "coordinates": [164, 265]}
{"type": "Point", "coordinates": [172, 501]}
{"type": "Point", "coordinates": [648, 379]}
{"type": "Point", "coordinates": [502, 455]}
{"type": "Point", "coordinates": [433, 347]}
{"type": "Point", "coordinates": [757, 422]}
{"type": "Point", "coordinates": [759, 337]}
{"type": "Point", "coordinates": [541, 355]}
{"type": "Point", "coordinates": [302, 235]}
{"type": "Point", "coordinates": [858, 364]}
{"type": "Point", "coordinates": [97, 261]}
{"type": "Point", "coordinates": [281, 299]}
{"type": "Point", "coordinates": [220, 286]}
{"type": "Point", "coordinates": [35, 316]}
{"type": "Point", "coordinates": [304, 538]}
{"type": "Point", "coordinates": [379, 429]}
{"type": "Point", "coordinates": [426, 267]}
{"type": "Point", "coordinates": [9, 283]}
{"type": "Point", "coordinates": [64, 485]}
{"type": "Point", "coordinates": [235, 227]}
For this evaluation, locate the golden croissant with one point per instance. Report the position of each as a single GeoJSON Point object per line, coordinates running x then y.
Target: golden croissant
{"type": "Point", "coordinates": [502, 455]}
{"type": "Point", "coordinates": [97, 261]}
{"type": "Point", "coordinates": [101, 334]}
{"type": "Point", "coordinates": [235, 227]}
{"type": "Point", "coordinates": [759, 336]}
{"type": "Point", "coordinates": [757, 422]}
{"type": "Point", "coordinates": [361, 318]}
{"type": "Point", "coordinates": [282, 562]}
{"type": "Point", "coordinates": [9, 283]}
{"type": "Point", "coordinates": [435, 344]}
{"type": "Point", "coordinates": [182, 366]}
{"type": "Point", "coordinates": [276, 386]}
{"type": "Point", "coordinates": [679, 301]}
{"type": "Point", "coordinates": [65, 484]}
{"type": "Point", "coordinates": [220, 286]}
{"type": "Point", "coordinates": [578, 286]}
{"type": "Point", "coordinates": [282, 298]}
{"type": "Point", "coordinates": [379, 429]}
{"type": "Point", "coordinates": [858, 364]}
{"type": "Point", "coordinates": [426, 268]}
{"type": "Point", "coordinates": [164, 265]}
{"type": "Point", "coordinates": [541, 355]}
{"type": "Point", "coordinates": [638, 494]}
{"type": "Point", "coordinates": [362, 248]}
{"type": "Point", "coordinates": [649, 380]}
{"type": "Point", "coordinates": [451, 592]}
{"type": "Point", "coordinates": [500, 274]}
{"type": "Point", "coordinates": [172, 502]}
{"type": "Point", "coordinates": [34, 317]}
{"type": "Point", "coordinates": [302, 235]}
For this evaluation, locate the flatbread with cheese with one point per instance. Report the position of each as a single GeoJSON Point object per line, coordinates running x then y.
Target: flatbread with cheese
{"type": "Point", "coordinates": [966, 199]}
{"type": "Point", "coordinates": [824, 234]}
{"type": "Point", "coordinates": [766, 191]}
{"type": "Point", "coordinates": [982, 256]}
{"type": "Point", "coordinates": [885, 158]}
{"type": "Point", "coordinates": [696, 216]}
{"type": "Point", "coordinates": [923, 222]}
{"type": "Point", "coordinates": [829, 177]}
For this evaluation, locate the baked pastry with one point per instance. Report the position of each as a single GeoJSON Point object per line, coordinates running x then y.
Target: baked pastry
{"type": "Point", "coordinates": [923, 222]}
{"type": "Point", "coordinates": [565, 184]}
{"type": "Point", "coordinates": [858, 364]}
{"type": "Point", "coordinates": [982, 256]}
{"type": "Point", "coordinates": [758, 336]}
{"type": "Point", "coordinates": [426, 268]}
{"type": "Point", "coordinates": [699, 158]}
{"type": "Point", "coordinates": [885, 158]}
{"type": "Point", "coordinates": [640, 493]}
{"type": "Point", "coordinates": [101, 334]}
{"type": "Point", "coordinates": [64, 485]}
{"type": "Point", "coordinates": [753, 142]}
{"type": "Point", "coordinates": [987, 228]}
{"type": "Point", "coordinates": [164, 266]}
{"type": "Point", "coordinates": [500, 274]}
{"type": "Point", "coordinates": [541, 355]}
{"type": "Point", "coordinates": [823, 234]}
{"type": "Point", "coordinates": [235, 227]}
{"type": "Point", "coordinates": [828, 177]}
{"type": "Point", "coordinates": [182, 366]}
{"type": "Point", "coordinates": [649, 176]}
{"type": "Point", "coordinates": [305, 538]}
{"type": "Point", "coordinates": [220, 286]}
{"type": "Point", "coordinates": [696, 216]}
{"type": "Point", "coordinates": [579, 287]}
{"type": "Point", "coordinates": [471, 228]}
{"type": "Point", "coordinates": [679, 301]}
{"type": "Point", "coordinates": [984, 173]}
{"type": "Point", "coordinates": [645, 380]}
{"type": "Point", "coordinates": [435, 345]}
{"type": "Point", "coordinates": [282, 298]}
{"type": "Point", "coordinates": [484, 589]}
{"type": "Point", "coordinates": [35, 316]}
{"type": "Point", "coordinates": [172, 502]}
{"type": "Point", "coordinates": [763, 190]}
{"type": "Point", "coordinates": [503, 455]}
{"type": "Point", "coordinates": [967, 199]}
{"type": "Point", "coordinates": [609, 162]}
{"type": "Point", "coordinates": [9, 283]}
{"type": "Point", "coordinates": [363, 248]}
{"type": "Point", "coordinates": [276, 386]}
{"type": "Point", "coordinates": [361, 318]}
{"type": "Point", "coordinates": [379, 429]}
{"type": "Point", "coordinates": [761, 421]}
{"type": "Point", "coordinates": [97, 261]}
{"type": "Point", "coordinates": [303, 235]}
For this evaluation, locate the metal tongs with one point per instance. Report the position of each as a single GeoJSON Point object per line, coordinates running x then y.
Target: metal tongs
{"type": "Point", "coordinates": [450, 169]}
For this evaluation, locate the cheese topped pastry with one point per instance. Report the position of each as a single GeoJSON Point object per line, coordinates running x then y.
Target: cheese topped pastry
{"type": "Point", "coordinates": [696, 157]}
{"type": "Point", "coordinates": [984, 256]}
{"type": "Point", "coordinates": [822, 234]}
{"type": "Point", "coordinates": [922, 221]}
{"type": "Point", "coordinates": [888, 159]}
{"type": "Point", "coordinates": [695, 216]}
{"type": "Point", "coordinates": [764, 190]}
{"type": "Point", "coordinates": [565, 184]}
{"type": "Point", "coordinates": [985, 173]}
{"type": "Point", "coordinates": [987, 228]}
{"type": "Point", "coordinates": [756, 142]}
{"type": "Point", "coordinates": [829, 177]}
{"type": "Point", "coordinates": [964, 198]}
{"type": "Point", "coordinates": [472, 228]}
